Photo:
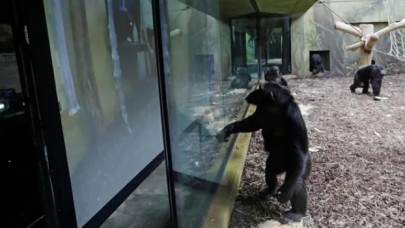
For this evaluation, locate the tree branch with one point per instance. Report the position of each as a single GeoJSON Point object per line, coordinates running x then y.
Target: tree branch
{"type": "Point", "coordinates": [348, 28]}
{"type": "Point", "coordinates": [355, 46]}
{"type": "Point", "coordinates": [391, 28]}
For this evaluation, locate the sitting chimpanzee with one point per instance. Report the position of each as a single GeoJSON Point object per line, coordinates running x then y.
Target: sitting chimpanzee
{"type": "Point", "coordinates": [273, 75]}
{"type": "Point", "coordinates": [315, 64]}
{"type": "Point", "coordinates": [286, 140]}
{"type": "Point", "coordinates": [369, 74]}
{"type": "Point", "coordinates": [241, 80]}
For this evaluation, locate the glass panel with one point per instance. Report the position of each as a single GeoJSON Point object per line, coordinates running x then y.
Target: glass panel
{"type": "Point", "coordinates": [147, 207]}
{"type": "Point", "coordinates": [244, 45]}
{"type": "Point", "coordinates": [105, 71]}
{"type": "Point", "coordinates": [273, 43]}
{"type": "Point", "coordinates": [203, 96]}
{"type": "Point", "coordinates": [199, 88]}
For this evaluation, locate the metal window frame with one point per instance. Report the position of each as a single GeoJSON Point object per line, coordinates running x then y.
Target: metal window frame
{"type": "Point", "coordinates": [36, 62]}
{"type": "Point", "coordinates": [161, 32]}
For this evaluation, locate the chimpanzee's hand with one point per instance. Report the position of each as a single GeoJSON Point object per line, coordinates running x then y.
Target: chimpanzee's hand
{"type": "Point", "coordinates": [223, 135]}
{"type": "Point", "coordinates": [283, 195]}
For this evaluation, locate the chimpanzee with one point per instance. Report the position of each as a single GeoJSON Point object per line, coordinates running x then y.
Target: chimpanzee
{"type": "Point", "coordinates": [241, 80]}
{"type": "Point", "coordinates": [273, 75]}
{"type": "Point", "coordinates": [315, 64]}
{"type": "Point", "coordinates": [286, 140]}
{"type": "Point", "coordinates": [125, 19]}
{"type": "Point", "coordinates": [369, 74]}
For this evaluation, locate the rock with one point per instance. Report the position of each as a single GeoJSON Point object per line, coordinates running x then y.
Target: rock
{"type": "Point", "coordinates": [276, 224]}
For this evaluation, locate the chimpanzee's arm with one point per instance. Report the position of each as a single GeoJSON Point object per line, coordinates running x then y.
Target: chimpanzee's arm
{"type": "Point", "coordinates": [249, 124]}
{"type": "Point", "coordinates": [284, 82]}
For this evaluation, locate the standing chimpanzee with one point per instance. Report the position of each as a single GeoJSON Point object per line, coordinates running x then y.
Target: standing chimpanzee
{"type": "Point", "coordinates": [241, 80]}
{"type": "Point", "coordinates": [315, 64]}
{"type": "Point", "coordinates": [369, 74]}
{"type": "Point", "coordinates": [286, 140]}
{"type": "Point", "coordinates": [273, 75]}
{"type": "Point", "coordinates": [126, 18]}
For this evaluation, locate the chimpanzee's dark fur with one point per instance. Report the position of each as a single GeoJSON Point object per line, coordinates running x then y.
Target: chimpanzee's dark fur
{"type": "Point", "coordinates": [285, 138]}
{"type": "Point", "coordinates": [274, 75]}
{"type": "Point", "coordinates": [241, 80]}
{"type": "Point", "coordinates": [315, 64]}
{"type": "Point", "coordinates": [125, 19]}
{"type": "Point", "coordinates": [369, 74]}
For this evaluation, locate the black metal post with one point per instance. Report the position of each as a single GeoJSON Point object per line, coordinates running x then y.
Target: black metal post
{"type": "Point", "coordinates": [286, 47]}
{"type": "Point", "coordinates": [161, 31]}
{"type": "Point", "coordinates": [259, 47]}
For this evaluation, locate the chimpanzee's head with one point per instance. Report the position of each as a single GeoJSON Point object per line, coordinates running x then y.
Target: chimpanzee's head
{"type": "Point", "coordinates": [240, 70]}
{"type": "Point", "coordinates": [272, 74]}
{"type": "Point", "coordinates": [271, 94]}
{"type": "Point", "coordinates": [274, 70]}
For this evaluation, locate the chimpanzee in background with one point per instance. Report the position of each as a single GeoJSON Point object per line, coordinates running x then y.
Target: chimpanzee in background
{"type": "Point", "coordinates": [273, 75]}
{"type": "Point", "coordinates": [285, 139]}
{"type": "Point", "coordinates": [242, 79]}
{"type": "Point", "coordinates": [126, 18]}
{"type": "Point", "coordinates": [369, 74]}
{"type": "Point", "coordinates": [315, 64]}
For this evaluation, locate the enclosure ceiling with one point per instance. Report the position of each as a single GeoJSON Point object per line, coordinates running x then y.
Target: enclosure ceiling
{"type": "Point", "coordinates": [234, 8]}
{"type": "Point", "coordinates": [284, 6]}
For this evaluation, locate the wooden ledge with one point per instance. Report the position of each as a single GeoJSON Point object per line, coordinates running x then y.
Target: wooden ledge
{"type": "Point", "coordinates": [223, 201]}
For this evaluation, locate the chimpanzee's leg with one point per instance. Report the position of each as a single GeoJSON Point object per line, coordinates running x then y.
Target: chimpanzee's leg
{"type": "Point", "coordinates": [271, 179]}
{"type": "Point", "coordinates": [356, 83]}
{"type": "Point", "coordinates": [298, 204]}
{"type": "Point", "coordinates": [376, 86]}
{"type": "Point", "coordinates": [321, 68]}
{"type": "Point", "coordinates": [365, 87]}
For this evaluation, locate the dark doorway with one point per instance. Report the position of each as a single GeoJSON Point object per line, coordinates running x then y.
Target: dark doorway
{"type": "Point", "coordinates": [324, 58]}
